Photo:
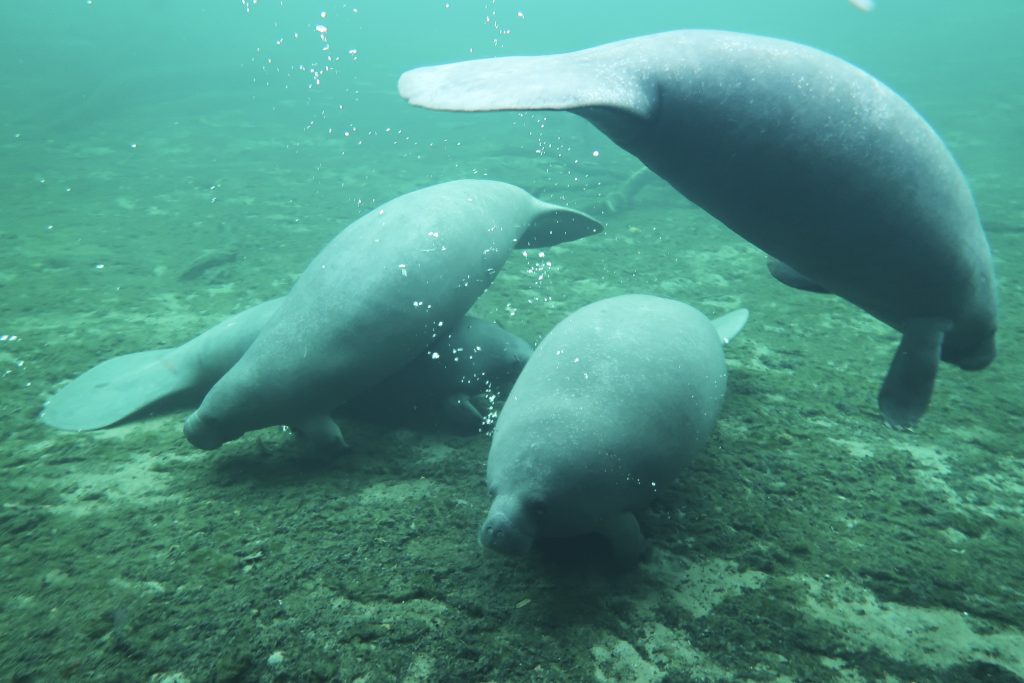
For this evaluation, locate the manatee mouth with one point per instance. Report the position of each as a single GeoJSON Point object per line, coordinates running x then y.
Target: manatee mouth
{"type": "Point", "coordinates": [976, 357]}
{"type": "Point", "coordinates": [500, 533]}
{"type": "Point", "coordinates": [201, 433]}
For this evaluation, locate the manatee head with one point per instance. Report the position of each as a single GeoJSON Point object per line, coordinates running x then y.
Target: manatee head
{"type": "Point", "coordinates": [208, 433]}
{"type": "Point", "coordinates": [506, 364]}
{"type": "Point", "coordinates": [971, 353]}
{"type": "Point", "coordinates": [517, 352]}
{"type": "Point", "coordinates": [511, 525]}
{"type": "Point", "coordinates": [490, 356]}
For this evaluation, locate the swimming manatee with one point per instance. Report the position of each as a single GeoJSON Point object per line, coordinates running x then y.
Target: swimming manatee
{"type": "Point", "coordinates": [610, 408]}
{"type": "Point", "coordinates": [476, 357]}
{"type": "Point", "coordinates": [798, 151]}
{"type": "Point", "coordinates": [378, 294]}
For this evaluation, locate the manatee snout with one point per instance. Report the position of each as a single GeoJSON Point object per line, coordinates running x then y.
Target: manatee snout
{"type": "Point", "coordinates": [204, 433]}
{"type": "Point", "coordinates": [506, 530]}
{"type": "Point", "coordinates": [973, 354]}
{"type": "Point", "coordinates": [519, 351]}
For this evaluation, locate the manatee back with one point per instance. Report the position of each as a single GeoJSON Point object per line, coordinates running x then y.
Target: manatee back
{"type": "Point", "coordinates": [805, 155]}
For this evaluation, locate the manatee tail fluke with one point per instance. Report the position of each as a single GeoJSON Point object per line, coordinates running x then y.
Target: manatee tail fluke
{"type": "Point", "coordinates": [574, 80]}
{"type": "Point", "coordinates": [730, 324]}
{"type": "Point", "coordinates": [114, 390]}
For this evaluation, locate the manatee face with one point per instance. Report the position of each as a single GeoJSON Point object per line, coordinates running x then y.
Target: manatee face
{"type": "Point", "coordinates": [209, 433]}
{"type": "Point", "coordinates": [497, 373]}
{"type": "Point", "coordinates": [481, 356]}
{"type": "Point", "coordinates": [568, 505]}
{"type": "Point", "coordinates": [566, 485]}
{"type": "Point", "coordinates": [974, 351]}
{"type": "Point", "coordinates": [511, 525]}
{"type": "Point", "coordinates": [440, 386]}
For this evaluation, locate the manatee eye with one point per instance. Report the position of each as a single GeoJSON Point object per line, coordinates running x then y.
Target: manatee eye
{"type": "Point", "coordinates": [536, 508]}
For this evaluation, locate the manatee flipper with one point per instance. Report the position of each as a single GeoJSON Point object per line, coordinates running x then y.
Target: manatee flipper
{"type": "Point", "coordinates": [321, 433]}
{"type": "Point", "coordinates": [791, 277]}
{"type": "Point", "coordinates": [624, 196]}
{"type": "Point", "coordinates": [730, 324]}
{"type": "Point", "coordinates": [908, 385]}
{"type": "Point", "coordinates": [116, 389]}
{"type": "Point", "coordinates": [555, 225]}
{"type": "Point", "coordinates": [460, 415]}
{"type": "Point", "coordinates": [628, 543]}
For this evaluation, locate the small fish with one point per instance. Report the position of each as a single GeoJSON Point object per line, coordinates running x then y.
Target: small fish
{"type": "Point", "coordinates": [863, 5]}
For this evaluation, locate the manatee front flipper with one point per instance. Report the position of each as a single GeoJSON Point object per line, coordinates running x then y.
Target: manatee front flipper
{"type": "Point", "coordinates": [791, 277]}
{"type": "Point", "coordinates": [116, 389]}
{"type": "Point", "coordinates": [908, 385]}
{"type": "Point", "coordinates": [320, 433]}
{"type": "Point", "coordinates": [730, 324]}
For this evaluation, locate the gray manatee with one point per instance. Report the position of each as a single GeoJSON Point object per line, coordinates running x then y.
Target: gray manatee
{"type": "Point", "coordinates": [613, 404]}
{"type": "Point", "coordinates": [476, 357]}
{"type": "Point", "coordinates": [803, 154]}
{"type": "Point", "coordinates": [378, 294]}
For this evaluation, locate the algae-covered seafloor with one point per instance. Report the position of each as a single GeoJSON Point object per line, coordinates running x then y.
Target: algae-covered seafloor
{"type": "Point", "coordinates": [808, 543]}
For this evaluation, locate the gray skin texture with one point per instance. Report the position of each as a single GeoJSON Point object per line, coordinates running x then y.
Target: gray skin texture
{"type": "Point", "coordinates": [801, 153]}
{"type": "Point", "coordinates": [476, 357]}
{"type": "Point", "coordinates": [613, 404]}
{"type": "Point", "coordinates": [378, 294]}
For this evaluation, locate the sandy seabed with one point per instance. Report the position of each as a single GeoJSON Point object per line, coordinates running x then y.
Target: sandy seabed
{"type": "Point", "coordinates": [808, 543]}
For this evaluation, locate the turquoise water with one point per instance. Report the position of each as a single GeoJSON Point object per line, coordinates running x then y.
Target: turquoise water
{"type": "Point", "coordinates": [167, 164]}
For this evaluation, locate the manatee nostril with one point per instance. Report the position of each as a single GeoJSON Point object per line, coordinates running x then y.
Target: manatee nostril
{"type": "Point", "coordinates": [493, 535]}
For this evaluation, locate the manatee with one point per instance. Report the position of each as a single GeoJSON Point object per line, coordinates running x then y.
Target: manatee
{"type": "Point", "coordinates": [610, 408]}
{"type": "Point", "coordinates": [801, 153]}
{"type": "Point", "coordinates": [476, 357]}
{"type": "Point", "coordinates": [378, 294]}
